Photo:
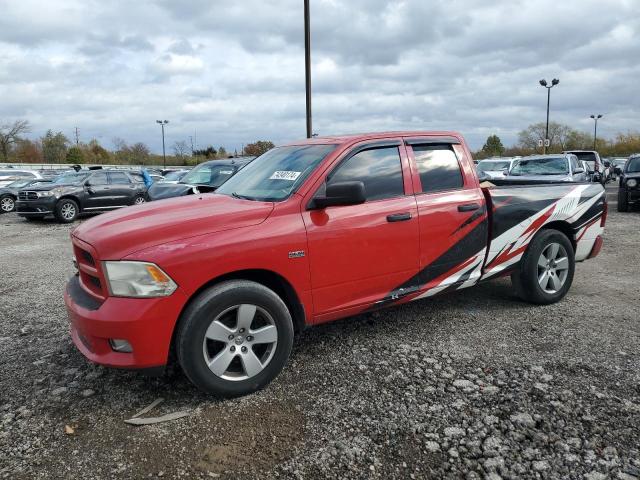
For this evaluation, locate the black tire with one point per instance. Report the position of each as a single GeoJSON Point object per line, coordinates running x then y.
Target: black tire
{"type": "Point", "coordinates": [7, 204]}
{"type": "Point", "coordinates": [200, 314]}
{"type": "Point", "coordinates": [525, 279]}
{"type": "Point", "coordinates": [623, 200]}
{"type": "Point", "coordinates": [139, 199]}
{"type": "Point", "coordinates": [66, 210]}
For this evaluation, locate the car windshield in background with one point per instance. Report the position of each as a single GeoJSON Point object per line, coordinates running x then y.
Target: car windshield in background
{"type": "Point", "coordinates": [492, 166]}
{"type": "Point", "coordinates": [20, 183]}
{"type": "Point", "coordinates": [209, 174]}
{"type": "Point", "coordinates": [174, 176]}
{"type": "Point", "coordinates": [588, 157]}
{"type": "Point", "coordinates": [541, 166]}
{"type": "Point", "coordinates": [70, 178]}
{"type": "Point", "coordinates": [276, 174]}
{"type": "Point", "coordinates": [633, 165]}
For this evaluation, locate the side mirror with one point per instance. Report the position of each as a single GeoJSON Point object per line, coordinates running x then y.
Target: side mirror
{"type": "Point", "coordinates": [579, 170]}
{"type": "Point", "coordinates": [342, 193]}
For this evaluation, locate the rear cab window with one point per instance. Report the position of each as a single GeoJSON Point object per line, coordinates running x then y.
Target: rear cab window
{"type": "Point", "coordinates": [438, 167]}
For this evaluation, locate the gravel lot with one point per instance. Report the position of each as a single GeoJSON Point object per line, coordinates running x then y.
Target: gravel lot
{"type": "Point", "coordinates": [471, 385]}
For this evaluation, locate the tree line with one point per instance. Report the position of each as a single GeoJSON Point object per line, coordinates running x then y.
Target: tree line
{"type": "Point", "coordinates": [55, 147]}
{"type": "Point", "coordinates": [562, 137]}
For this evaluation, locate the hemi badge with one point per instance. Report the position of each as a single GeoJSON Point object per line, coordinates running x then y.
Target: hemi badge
{"type": "Point", "coordinates": [296, 254]}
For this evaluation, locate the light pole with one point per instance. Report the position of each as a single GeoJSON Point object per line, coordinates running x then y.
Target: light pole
{"type": "Point", "coordinates": [164, 156]}
{"type": "Point", "coordinates": [595, 128]}
{"type": "Point", "coordinates": [307, 64]}
{"type": "Point", "coordinates": [543, 82]}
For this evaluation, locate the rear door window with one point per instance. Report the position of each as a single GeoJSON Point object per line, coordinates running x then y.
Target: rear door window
{"type": "Point", "coordinates": [438, 168]}
{"type": "Point", "coordinates": [99, 179]}
{"type": "Point", "coordinates": [119, 177]}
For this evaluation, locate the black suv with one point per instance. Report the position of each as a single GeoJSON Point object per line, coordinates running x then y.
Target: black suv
{"type": "Point", "coordinates": [629, 186]}
{"type": "Point", "coordinates": [80, 192]}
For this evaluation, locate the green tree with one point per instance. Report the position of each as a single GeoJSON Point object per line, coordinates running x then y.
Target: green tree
{"type": "Point", "coordinates": [75, 155]}
{"type": "Point", "coordinates": [493, 146]}
{"type": "Point", "coordinates": [258, 148]}
{"type": "Point", "coordinates": [222, 152]}
{"type": "Point", "coordinates": [54, 147]}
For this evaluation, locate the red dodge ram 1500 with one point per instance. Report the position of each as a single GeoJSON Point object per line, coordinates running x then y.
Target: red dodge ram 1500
{"type": "Point", "coordinates": [307, 233]}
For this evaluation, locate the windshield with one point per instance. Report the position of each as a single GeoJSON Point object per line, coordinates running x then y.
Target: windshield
{"type": "Point", "coordinates": [276, 174]}
{"type": "Point", "coordinates": [492, 166]}
{"type": "Point", "coordinates": [175, 176]}
{"type": "Point", "coordinates": [70, 178]}
{"type": "Point", "coordinates": [209, 174]}
{"type": "Point", "coordinates": [633, 165]}
{"type": "Point", "coordinates": [20, 183]}
{"type": "Point", "coordinates": [541, 166]}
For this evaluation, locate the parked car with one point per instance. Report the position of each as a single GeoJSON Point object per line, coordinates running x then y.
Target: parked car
{"type": "Point", "coordinates": [206, 177]}
{"type": "Point", "coordinates": [494, 167]}
{"type": "Point", "coordinates": [548, 168]}
{"type": "Point", "coordinates": [175, 176]}
{"type": "Point", "coordinates": [307, 233]}
{"type": "Point", "coordinates": [629, 184]}
{"type": "Point", "coordinates": [598, 171]}
{"type": "Point", "coordinates": [9, 193]}
{"type": "Point", "coordinates": [617, 166]}
{"type": "Point", "coordinates": [74, 193]}
{"type": "Point", "coordinates": [10, 175]}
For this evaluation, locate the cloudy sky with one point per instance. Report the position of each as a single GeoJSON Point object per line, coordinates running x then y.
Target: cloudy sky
{"type": "Point", "coordinates": [233, 71]}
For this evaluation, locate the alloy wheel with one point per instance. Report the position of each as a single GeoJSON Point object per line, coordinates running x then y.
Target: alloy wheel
{"type": "Point", "coordinates": [553, 268]}
{"type": "Point", "coordinates": [240, 342]}
{"type": "Point", "coordinates": [139, 201]}
{"type": "Point", "coordinates": [7, 204]}
{"type": "Point", "coordinates": [68, 211]}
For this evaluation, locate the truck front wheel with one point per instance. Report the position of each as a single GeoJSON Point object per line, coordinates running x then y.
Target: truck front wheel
{"type": "Point", "coordinates": [546, 269]}
{"type": "Point", "coordinates": [234, 338]}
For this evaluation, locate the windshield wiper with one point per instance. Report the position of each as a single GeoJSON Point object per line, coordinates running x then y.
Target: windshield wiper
{"type": "Point", "coordinates": [243, 197]}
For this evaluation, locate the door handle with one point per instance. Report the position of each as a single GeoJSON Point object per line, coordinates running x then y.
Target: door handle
{"type": "Point", "coordinates": [468, 207]}
{"type": "Point", "coordinates": [399, 217]}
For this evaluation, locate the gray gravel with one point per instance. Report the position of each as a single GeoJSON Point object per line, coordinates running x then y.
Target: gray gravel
{"type": "Point", "coordinates": [471, 385]}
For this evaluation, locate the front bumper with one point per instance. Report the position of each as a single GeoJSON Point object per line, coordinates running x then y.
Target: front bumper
{"type": "Point", "coordinates": [41, 206]}
{"type": "Point", "coordinates": [147, 324]}
{"type": "Point", "coordinates": [633, 194]}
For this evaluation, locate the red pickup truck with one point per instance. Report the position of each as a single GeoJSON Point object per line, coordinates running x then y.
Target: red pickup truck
{"type": "Point", "coordinates": [307, 233]}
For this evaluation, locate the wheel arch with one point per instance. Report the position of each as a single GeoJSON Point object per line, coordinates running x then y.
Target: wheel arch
{"type": "Point", "coordinates": [70, 196]}
{"type": "Point", "coordinates": [563, 227]}
{"type": "Point", "coordinates": [268, 278]}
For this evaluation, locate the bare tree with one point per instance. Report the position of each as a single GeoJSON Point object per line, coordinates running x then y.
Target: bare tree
{"type": "Point", "coordinates": [10, 134]}
{"type": "Point", "coordinates": [180, 149]}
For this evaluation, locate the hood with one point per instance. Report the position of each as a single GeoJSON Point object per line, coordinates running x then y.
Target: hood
{"type": "Point", "coordinates": [161, 190]}
{"type": "Point", "coordinates": [45, 187]}
{"type": "Point", "coordinates": [118, 234]}
{"type": "Point", "coordinates": [563, 177]}
{"type": "Point", "coordinates": [632, 175]}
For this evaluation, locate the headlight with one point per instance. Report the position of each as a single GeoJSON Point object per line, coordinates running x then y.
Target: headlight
{"type": "Point", "coordinates": [632, 182]}
{"type": "Point", "coordinates": [45, 194]}
{"type": "Point", "coordinates": [137, 279]}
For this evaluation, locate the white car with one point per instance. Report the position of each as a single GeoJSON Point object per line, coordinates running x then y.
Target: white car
{"type": "Point", "coordinates": [494, 167]}
{"type": "Point", "coordinates": [11, 175]}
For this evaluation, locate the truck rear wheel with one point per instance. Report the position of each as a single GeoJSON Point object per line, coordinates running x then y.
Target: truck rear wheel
{"type": "Point", "coordinates": [234, 338]}
{"type": "Point", "coordinates": [623, 201]}
{"type": "Point", "coordinates": [546, 269]}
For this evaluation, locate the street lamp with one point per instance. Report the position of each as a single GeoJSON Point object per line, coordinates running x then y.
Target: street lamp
{"type": "Point", "coordinates": [595, 128]}
{"type": "Point", "coordinates": [307, 64]}
{"type": "Point", "coordinates": [164, 156]}
{"type": "Point", "coordinates": [543, 82]}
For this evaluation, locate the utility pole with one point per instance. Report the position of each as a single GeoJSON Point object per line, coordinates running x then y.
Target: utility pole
{"type": "Point", "coordinates": [191, 140]}
{"type": "Point", "coordinates": [164, 155]}
{"type": "Point", "coordinates": [307, 64]}
{"type": "Point", "coordinates": [543, 82]}
{"type": "Point", "coordinates": [77, 137]}
{"type": "Point", "coordinates": [595, 128]}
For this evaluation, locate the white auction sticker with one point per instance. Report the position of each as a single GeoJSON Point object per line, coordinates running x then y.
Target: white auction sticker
{"type": "Point", "coordinates": [285, 175]}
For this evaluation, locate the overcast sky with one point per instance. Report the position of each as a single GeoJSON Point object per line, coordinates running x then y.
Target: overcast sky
{"type": "Point", "coordinates": [233, 71]}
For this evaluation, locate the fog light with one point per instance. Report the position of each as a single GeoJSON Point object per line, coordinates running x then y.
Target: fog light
{"type": "Point", "coordinates": [118, 345]}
